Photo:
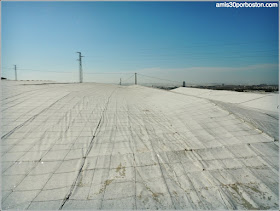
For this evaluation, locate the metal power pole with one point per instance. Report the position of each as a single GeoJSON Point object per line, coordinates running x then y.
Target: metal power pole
{"type": "Point", "coordinates": [135, 78]}
{"type": "Point", "coordinates": [15, 72]}
{"type": "Point", "coordinates": [80, 67]}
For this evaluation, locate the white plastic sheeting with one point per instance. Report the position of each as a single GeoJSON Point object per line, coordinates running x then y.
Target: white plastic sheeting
{"type": "Point", "coordinates": [259, 109]}
{"type": "Point", "coordinates": [100, 146]}
{"type": "Point", "coordinates": [260, 101]}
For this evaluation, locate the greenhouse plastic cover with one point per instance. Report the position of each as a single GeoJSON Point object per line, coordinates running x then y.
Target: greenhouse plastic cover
{"type": "Point", "coordinates": [101, 146]}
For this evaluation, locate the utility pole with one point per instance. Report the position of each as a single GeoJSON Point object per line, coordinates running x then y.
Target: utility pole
{"type": "Point", "coordinates": [135, 78]}
{"type": "Point", "coordinates": [15, 72]}
{"type": "Point", "coordinates": [120, 81]}
{"type": "Point", "coordinates": [80, 66]}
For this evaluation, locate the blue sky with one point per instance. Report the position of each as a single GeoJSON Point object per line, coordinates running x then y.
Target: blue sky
{"type": "Point", "coordinates": [191, 41]}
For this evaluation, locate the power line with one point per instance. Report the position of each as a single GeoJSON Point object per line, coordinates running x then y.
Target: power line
{"type": "Point", "coordinates": [41, 70]}
{"type": "Point", "coordinates": [7, 68]}
{"type": "Point", "coordinates": [128, 78]}
{"type": "Point", "coordinates": [15, 72]}
{"type": "Point", "coordinates": [67, 72]}
{"type": "Point", "coordinates": [109, 73]}
{"type": "Point", "coordinates": [159, 78]}
{"type": "Point", "coordinates": [175, 56]}
{"type": "Point", "coordinates": [80, 67]}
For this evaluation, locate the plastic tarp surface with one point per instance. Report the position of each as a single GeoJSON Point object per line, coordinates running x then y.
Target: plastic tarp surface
{"type": "Point", "coordinates": [100, 146]}
{"type": "Point", "coordinates": [259, 109]}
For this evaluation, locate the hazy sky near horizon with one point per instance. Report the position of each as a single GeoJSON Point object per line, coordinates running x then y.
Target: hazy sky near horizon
{"type": "Point", "coordinates": [191, 41]}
